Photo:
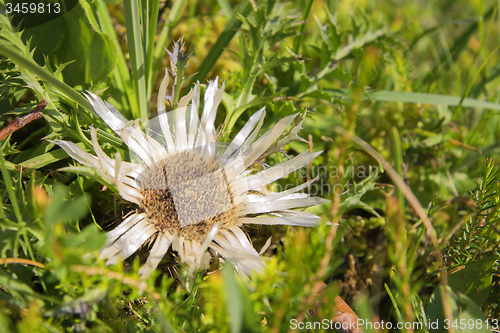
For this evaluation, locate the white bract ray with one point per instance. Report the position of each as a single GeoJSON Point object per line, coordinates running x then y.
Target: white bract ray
{"type": "Point", "coordinates": [193, 193]}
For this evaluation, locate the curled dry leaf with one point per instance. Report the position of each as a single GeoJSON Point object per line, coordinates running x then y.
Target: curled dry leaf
{"type": "Point", "coordinates": [346, 317]}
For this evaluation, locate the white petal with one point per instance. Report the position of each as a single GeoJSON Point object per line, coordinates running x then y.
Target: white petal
{"type": "Point", "coordinates": [123, 227]}
{"type": "Point", "coordinates": [160, 150]}
{"type": "Point", "coordinates": [108, 165]}
{"type": "Point", "coordinates": [194, 119]}
{"type": "Point", "coordinates": [110, 115]}
{"type": "Point", "coordinates": [134, 171]}
{"type": "Point", "coordinates": [254, 134]}
{"type": "Point", "coordinates": [84, 158]}
{"type": "Point", "coordinates": [266, 207]}
{"type": "Point", "coordinates": [235, 168]}
{"type": "Point", "coordinates": [295, 221]}
{"type": "Point", "coordinates": [260, 146]}
{"type": "Point", "coordinates": [189, 252]}
{"type": "Point", "coordinates": [156, 254]}
{"type": "Point", "coordinates": [180, 129]}
{"type": "Point", "coordinates": [118, 165]}
{"type": "Point", "coordinates": [240, 247]}
{"type": "Point", "coordinates": [117, 114]}
{"type": "Point", "coordinates": [240, 138]}
{"type": "Point", "coordinates": [130, 242]}
{"type": "Point", "coordinates": [200, 255]}
{"type": "Point", "coordinates": [284, 195]}
{"type": "Point", "coordinates": [78, 153]}
{"type": "Point", "coordinates": [213, 97]}
{"type": "Point", "coordinates": [244, 261]}
{"type": "Point", "coordinates": [130, 182]}
{"type": "Point", "coordinates": [201, 139]}
{"type": "Point", "coordinates": [162, 92]}
{"type": "Point", "coordinates": [295, 213]}
{"type": "Point", "coordinates": [270, 175]}
{"type": "Point", "coordinates": [130, 194]}
{"type": "Point", "coordinates": [210, 237]}
{"type": "Point", "coordinates": [242, 238]}
{"type": "Point", "coordinates": [266, 246]}
{"type": "Point", "coordinates": [141, 139]}
{"type": "Point", "coordinates": [184, 101]}
{"type": "Point", "coordinates": [139, 150]}
{"type": "Point", "coordinates": [162, 115]}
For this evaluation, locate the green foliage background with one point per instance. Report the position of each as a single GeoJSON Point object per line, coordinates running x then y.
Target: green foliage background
{"type": "Point", "coordinates": [417, 80]}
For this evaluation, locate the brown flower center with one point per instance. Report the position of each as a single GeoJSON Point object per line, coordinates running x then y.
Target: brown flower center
{"type": "Point", "coordinates": [188, 194]}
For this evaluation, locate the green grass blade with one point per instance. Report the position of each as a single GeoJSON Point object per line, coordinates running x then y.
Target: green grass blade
{"type": "Point", "coordinates": [150, 44]}
{"type": "Point", "coordinates": [47, 158]}
{"type": "Point", "coordinates": [136, 52]}
{"type": "Point", "coordinates": [459, 45]}
{"type": "Point", "coordinates": [10, 189]}
{"type": "Point", "coordinates": [397, 154]}
{"type": "Point", "coordinates": [17, 211]}
{"type": "Point", "coordinates": [223, 40]}
{"type": "Point", "coordinates": [300, 38]}
{"type": "Point", "coordinates": [394, 302]}
{"type": "Point", "coordinates": [144, 19]}
{"type": "Point", "coordinates": [471, 83]}
{"type": "Point", "coordinates": [396, 96]}
{"type": "Point", "coordinates": [121, 75]}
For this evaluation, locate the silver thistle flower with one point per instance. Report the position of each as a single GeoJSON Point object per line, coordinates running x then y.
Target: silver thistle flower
{"type": "Point", "coordinates": [193, 193]}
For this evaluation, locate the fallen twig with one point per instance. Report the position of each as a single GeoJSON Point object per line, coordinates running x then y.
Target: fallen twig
{"type": "Point", "coordinates": [22, 121]}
